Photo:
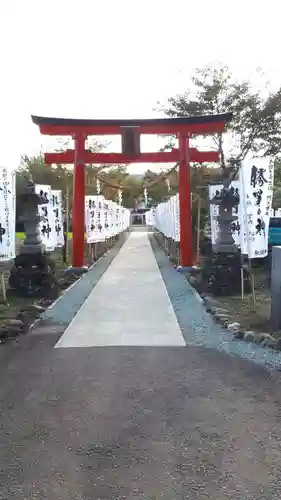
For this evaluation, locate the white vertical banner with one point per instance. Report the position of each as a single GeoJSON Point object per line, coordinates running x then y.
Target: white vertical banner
{"type": "Point", "coordinates": [114, 213]}
{"type": "Point", "coordinates": [108, 218]}
{"type": "Point", "coordinates": [56, 203]}
{"type": "Point", "coordinates": [169, 219]}
{"type": "Point", "coordinates": [112, 217]}
{"type": "Point", "coordinates": [13, 216]}
{"type": "Point", "coordinates": [173, 225]}
{"type": "Point", "coordinates": [118, 219]}
{"type": "Point", "coordinates": [89, 216]}
{"type": "Point", "coordinates": [47, 223]}
{"type": "Point", "coordinates": [104, 218]}
{"type": "Point", "coordinates": [256, 178]}
{"type": "Point", "coordinates": [94, 220]}
{"type": "Point", "coordinates": [7, 215]}
{"type": "Point", "coordinates": [125, 218]}
{"type": "Point", "coordinates": [158, 223]}
{"type": "Point", "coordinates": [177, 218]}
{"type": "Point", "coordinates": [214, 212]}
{"type": "Point", "coordinates": [165, 218]}
{"type": "Point", "coordinates": [100, 219]}
{"type": "Point", "coordinates": [150, 217]}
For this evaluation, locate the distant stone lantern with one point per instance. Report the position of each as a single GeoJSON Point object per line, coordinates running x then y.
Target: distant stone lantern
{"type": "Point", "coordinates": [226, 199]}
{"type": "Point", "coordinates": [33, 272]}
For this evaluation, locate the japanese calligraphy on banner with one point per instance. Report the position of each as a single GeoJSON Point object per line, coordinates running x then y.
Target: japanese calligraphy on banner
{"type": "Point", "coordinates": [7, 215]}
{"type": "Point", "coordinates": [118, 213]}
{"type": "Point", "coordinates": [56, 203]}
{"type": "Point", "coordinates": [94, 218]}
{"type": "Point", "coordinates": [108, 219]}
{"type": "Point", "coordinates": [47, 223]}
{"type": "Point", "coordinates": [104, 218]}
{"type": "Point", "coordinates": [256, 178]}
{"type": "Point", "coordinates": [125, 218]}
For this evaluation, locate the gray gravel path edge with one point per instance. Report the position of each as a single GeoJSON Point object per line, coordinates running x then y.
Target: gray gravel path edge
{"type": "Point", "coordinates": [198, 327]}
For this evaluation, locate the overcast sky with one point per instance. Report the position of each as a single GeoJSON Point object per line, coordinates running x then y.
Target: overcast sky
{"type": "Point", "coordinates": [117, 58]}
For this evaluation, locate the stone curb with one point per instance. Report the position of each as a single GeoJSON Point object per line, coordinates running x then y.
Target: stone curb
{"type": "Point", "coordinates": [222, 316]}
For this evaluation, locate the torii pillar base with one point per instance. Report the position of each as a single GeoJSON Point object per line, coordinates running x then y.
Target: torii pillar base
{"type": "Point", "coordinates": [78, 271]}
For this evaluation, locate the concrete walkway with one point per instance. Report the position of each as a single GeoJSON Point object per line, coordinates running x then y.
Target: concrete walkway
{"type": "Point", "coordinates": [129, 306]}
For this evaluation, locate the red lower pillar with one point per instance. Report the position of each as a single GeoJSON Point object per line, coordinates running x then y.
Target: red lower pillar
{"type": "Point", "coordinates": [185, 204]}
{"type": "Point", "coordinates": [78, 204]}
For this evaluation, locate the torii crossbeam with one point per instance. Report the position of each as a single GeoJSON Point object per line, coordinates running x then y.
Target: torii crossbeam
{"type": "Point", "coordinates": [131, 130]}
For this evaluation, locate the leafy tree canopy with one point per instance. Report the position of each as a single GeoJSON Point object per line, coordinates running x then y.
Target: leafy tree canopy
{"type": "Point", "coordinates": [256, 124]}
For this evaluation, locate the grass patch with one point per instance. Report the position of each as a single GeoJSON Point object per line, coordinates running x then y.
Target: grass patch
{"type": "Point", "coordinates": [251, 318]}
{"type": "Point", "coordinates": [21, 236]}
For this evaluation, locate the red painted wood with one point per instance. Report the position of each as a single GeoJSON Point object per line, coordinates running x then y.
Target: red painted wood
{"type": "Point", "coordinates": [80, 130]}
{"type": "Point", "coordinates": [111, 158]}
{"type": "Point", "coordinates": [114, 158]}
{"type": "Point", "coordinates": [184, 129]}
{"type": "Point", "coordinates": [185, 204]}
{"type": "Point", "coordinates": [78, 205]}
{"type": "Point", "coordinates": [196, 156]}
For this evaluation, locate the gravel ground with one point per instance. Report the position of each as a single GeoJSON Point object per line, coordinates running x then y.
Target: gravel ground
{"type": "Point", "coordinates": [198, 326]}
{"type": "Point", "coordinates": [140, 424]}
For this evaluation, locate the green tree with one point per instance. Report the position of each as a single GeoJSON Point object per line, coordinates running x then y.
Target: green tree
{"type": "Point", "coordinates": [256, 123]}
{"type": "Point", "coordinates": [276, 203]}
{"type": "Point", "coordinates": [158, 191]}
{"type": "Point", "coordinates": [58, 176]}
{"type": "Point", "coordinates": [61, 177]}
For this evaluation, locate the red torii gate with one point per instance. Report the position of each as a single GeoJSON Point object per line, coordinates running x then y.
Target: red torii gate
{"type": "Point", "coordinates": [131, 130]}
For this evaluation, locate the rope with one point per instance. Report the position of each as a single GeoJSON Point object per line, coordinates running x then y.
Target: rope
{"type": "Point", "coordinates": [143, 186]}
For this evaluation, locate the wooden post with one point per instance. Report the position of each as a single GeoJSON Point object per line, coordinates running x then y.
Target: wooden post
{"type": "Point", "coordinates": [185, 204]}
{"type": "Point", "coordinates": [78, 209]}
{"type": "Point", "coordinates": [198, 229]}
{"type": "Point", "coordinates": [67, 224]}
{"type": "Point", "coordinates": [275, 314]}
{"type": "Point", "coordinates": [3, 286]}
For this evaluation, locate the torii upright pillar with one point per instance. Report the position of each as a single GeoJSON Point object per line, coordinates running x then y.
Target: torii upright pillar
{"type": "Point", "coordinates": [78, 205]}
{"type": "Point", "coordinates": [185, 203]}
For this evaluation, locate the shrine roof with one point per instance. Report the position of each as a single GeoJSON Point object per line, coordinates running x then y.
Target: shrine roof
{"type": "Point", "coordinates": [204, 123]}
